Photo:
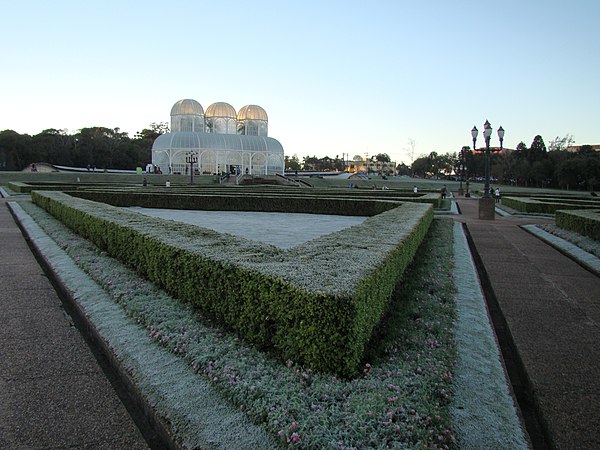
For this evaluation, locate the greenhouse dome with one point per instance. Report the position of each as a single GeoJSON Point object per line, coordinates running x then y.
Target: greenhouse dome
{"type": "Point", "coordinates": [187, 107]}
{"type": "Point", "coordinates": [187, 115]}
{"type": "Point", "coordinates": [252, 121]}
{"type": "Point", "coordinates": [221, 118]}
{"type": "Point", "coordinates": [221, 142]}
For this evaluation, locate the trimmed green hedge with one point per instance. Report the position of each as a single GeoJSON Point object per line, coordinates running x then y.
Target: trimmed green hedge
{"type": "Point", "coordinates": [433, 197]}
{"type": "Point", "coordinates": [316, 304]}
{"type": "Point", "coordinates": [585, 222]}
{"type": "Point", "coordinates": [547, 205]}
{"type": "Point", "coordinates": [27, 187]}
{"type": "Point", "coordinates": [18, 186]}
{"type": "Point", "coordinates": [241, 202]}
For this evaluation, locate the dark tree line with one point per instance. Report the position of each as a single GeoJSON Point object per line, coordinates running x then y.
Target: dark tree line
{"type": "Point", "coordinates": [536, 166]}
{"type": "Point", "coordinates": [100, 147]}
{"type": "Point", "coordinates": [533, 166]}
{"type": "Point", "coordinates": [313, 163]}
{"type": "Point", "coordinates": [97, 147]}
{"type": "Point", "coordinates": [433, 165]}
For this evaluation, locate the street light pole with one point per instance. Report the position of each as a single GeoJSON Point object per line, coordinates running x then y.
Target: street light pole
{"type": "Point", "coordinates": [474, 133]}
{"type": "Point", "coordinates": [191, 158]}
{"type": "Point", "coordinates": [487, 134]}
{"type": "Point", "coordinates": [486, 204]}
{"type": "Point", "coordinates": [461, 169]}
{"type": "Point", "coordinates": [501, 137]}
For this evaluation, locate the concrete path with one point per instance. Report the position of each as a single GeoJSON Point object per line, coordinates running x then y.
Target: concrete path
{"type": "Point", "coordinates": [546, 309]}
{"type": "Point", "coordinates": [53, 393]}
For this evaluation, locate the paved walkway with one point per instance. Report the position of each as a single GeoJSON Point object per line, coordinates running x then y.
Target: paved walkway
{"type": "Point", "coordinates": [547, 308]}
{"type": "Point", "coordinates": [53, 393]}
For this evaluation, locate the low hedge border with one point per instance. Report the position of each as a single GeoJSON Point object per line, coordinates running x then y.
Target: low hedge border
{"type": "Point", "coordinates": [545, 206]}
{"type": "Point", "coordinates": [585, 222]}
{"type": "Point", "coordinates": [20, 187]}
{"type": "Point", "coordinates": [316, 304]}
{"type": "Point", "coordinates": [424, 196]}
{"type": "Point", "coordinates": [112, 195]}
{"type": "Point", "coordinates": [240, 202]}
{"type": "Point", "coordinates": [28, 187]}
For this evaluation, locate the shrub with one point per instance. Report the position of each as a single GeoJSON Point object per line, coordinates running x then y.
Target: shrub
{"type": "Point", "coordinates": [585, 222]}
{"type": "Point", "coordinates": [546, 205]}
{"type": "Point", "coordinates": [278, 299]}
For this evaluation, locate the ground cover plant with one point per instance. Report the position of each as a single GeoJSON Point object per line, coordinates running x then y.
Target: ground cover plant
{"type": "Point", "coordinates": [398, 400]}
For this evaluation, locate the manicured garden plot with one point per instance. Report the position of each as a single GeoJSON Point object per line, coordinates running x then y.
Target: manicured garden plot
{"type": "Point", "coordinates": [547, 205]}
{"type": "Point", "coordinates": [585, 222]}
{"type": "Point", "coordinates": [281, 300]}
{"type": "Point", "coordinates": [157, 185]}
{"type": "Point", "coordinates": [400, 399]}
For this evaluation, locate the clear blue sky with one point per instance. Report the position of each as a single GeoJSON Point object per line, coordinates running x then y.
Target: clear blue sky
{"type": "Point", "coordinates": [334, 76]}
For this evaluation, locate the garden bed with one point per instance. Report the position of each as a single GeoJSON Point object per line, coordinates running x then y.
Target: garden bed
{"type": "Point", "coordinates": [400, 398]}
{"type": "Point", "coordinates": [279, 300]}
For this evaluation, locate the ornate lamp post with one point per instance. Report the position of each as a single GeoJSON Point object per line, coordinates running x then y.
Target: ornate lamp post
{"type": "Point", "coordinates": [474, 133]}
{"type": "Point", "coordinates": [486, 204]}
{"type": "Point", "coordinates": [461, 169]}
{"type": "Point", "coordinates": [501, 137]}
{"type": "Point", "coordinates": [191, 158]}
{"type": "Point", "coordinates": [487, 134]}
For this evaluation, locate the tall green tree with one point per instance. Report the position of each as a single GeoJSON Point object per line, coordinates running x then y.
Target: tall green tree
{"type": "Point", "coordinates": [421, 166]}
{"type": "Point", "coordinates": [537, 151]}
{"type": "Point", "coordinates": [521, 152]}
{"type": "Point", "coordinates": [292, 163]}
{"type": "Point", "coordinates": [155, 130]}
{"type": "Point", "coordinates": [311, 163]}
{"type": "Point", "coordinates": [15, 150]}
{"type": "Point", "coordinates": [383, 157]}
{"type": "Point", "coordinates": [402, 169]}
{"type": "Point", "coordinates": [53, 146]}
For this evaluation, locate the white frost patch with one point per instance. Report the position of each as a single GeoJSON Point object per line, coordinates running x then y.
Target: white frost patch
{"type": "Point", "coordinates": [483, 411]}
{"type": "Point", "coordinates": [283, 230]}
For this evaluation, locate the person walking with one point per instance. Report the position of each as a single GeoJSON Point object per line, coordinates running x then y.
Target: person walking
{"type": "Point", "coordinates": [497, 195]}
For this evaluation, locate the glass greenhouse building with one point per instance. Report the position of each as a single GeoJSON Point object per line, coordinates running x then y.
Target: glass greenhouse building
{"type": "Point", "coordinates": [222, 140]}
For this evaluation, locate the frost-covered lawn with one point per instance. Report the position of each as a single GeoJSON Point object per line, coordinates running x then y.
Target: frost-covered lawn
{"type": "Point", "coordinates": [400, 399]}
{"type": "Point", "coordinates": [280, 229]}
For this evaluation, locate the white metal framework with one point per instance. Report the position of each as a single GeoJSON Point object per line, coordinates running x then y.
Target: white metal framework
{"type": "Point", "coordinates": [223, 141]}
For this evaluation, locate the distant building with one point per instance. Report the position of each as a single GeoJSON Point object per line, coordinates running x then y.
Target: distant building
{"type": "Point", "coordinates": [368, 165]}
{"type": "Point", "coordinates": [576, 148]}
{"type": "Point", "coordinates": [222, 140]}
{"type": "Point", "coordinates": [504, 150]}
